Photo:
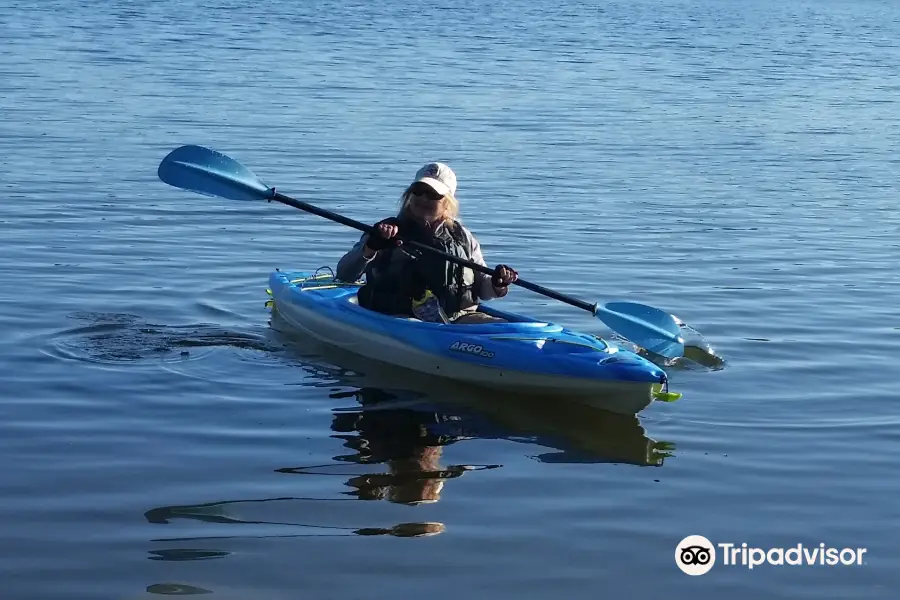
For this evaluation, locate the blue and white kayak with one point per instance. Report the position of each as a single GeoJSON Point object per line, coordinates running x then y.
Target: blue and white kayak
{"type": "Point", "coordinates": [523, 355]}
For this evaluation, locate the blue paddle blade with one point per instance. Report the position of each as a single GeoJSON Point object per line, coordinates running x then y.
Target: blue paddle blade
{"type": "Point", "coordinates": [211, 173]}
{"type": "Point", "coordinates": [648, 327]}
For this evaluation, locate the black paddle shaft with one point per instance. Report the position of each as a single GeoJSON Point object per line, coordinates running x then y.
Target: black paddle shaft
{"type": "Point", "coordinates": [279, 197]}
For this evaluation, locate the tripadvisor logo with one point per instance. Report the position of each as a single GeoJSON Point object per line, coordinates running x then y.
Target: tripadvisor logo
{"type": "Point", "coordinates": [696, 555]}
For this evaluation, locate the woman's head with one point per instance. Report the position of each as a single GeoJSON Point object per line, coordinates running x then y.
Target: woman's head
{"type": "Point", "coordinates": [431, 196]}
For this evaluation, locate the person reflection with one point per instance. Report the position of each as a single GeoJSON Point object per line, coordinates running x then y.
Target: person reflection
{"type": "Point", "coordinates": [408, 440]}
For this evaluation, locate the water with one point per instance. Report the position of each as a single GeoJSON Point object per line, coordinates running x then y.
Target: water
{"type": "Point", "coordinates": [731, 162]}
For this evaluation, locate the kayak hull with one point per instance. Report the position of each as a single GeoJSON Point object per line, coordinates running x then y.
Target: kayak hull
{"type": "Point", "coordinates": [523, 355]}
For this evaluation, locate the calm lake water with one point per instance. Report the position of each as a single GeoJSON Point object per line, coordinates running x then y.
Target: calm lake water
{"type": "Point", "coordinates": [733, 162]}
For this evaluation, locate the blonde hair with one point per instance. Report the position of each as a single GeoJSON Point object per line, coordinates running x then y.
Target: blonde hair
{"type": "Point", "coordinates": [449, 202]}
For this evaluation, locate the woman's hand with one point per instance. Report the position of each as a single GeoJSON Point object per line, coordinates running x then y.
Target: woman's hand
{"type": "Point", "coordinates": [382, 237]}
{"type": "Point", "coordinates": [503, 276]}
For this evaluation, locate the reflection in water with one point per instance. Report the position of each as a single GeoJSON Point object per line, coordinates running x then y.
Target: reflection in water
{"type": "Point", "coordinates": [408, 441]}
{"type": "Point", "coordinates": [396, 431]}
{"type": "Point", "coordinates": [176, 589]}
{"type": "Point", "coordinates": [182, 554]}
{"type": "Point", "coordinates": [401, 412]}
{"type": "Point", "coordinates": [407, 428]}
{"type": "Point", "coordinates": [415, 480]}
{"type": "Point", "coordinates": [262, 512]}
{"type": "Point", "coordinates": [397, 440]}
{"type": "Point", "coordinates": [405, 530]}
{"type": "Point", "coordinates": [218, 512]}
{"type": "Point", "coordinates": [406, 434]}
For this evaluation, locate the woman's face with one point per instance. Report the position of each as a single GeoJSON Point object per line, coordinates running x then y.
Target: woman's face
{"type": "Point", "coordinates": [425, 203]}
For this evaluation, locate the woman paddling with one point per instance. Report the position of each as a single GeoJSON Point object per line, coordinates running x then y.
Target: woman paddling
{"type": "Point", "coordinates": [423, 284]}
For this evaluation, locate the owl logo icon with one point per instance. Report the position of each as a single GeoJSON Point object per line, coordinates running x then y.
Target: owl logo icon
{"type": "Point", "coordinates": [695, 555]}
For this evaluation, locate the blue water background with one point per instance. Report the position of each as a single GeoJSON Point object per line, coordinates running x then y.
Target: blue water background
{"type": "Point", "coordinates": [733, 162]}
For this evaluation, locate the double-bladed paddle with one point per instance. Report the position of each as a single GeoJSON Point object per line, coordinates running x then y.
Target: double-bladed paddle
{"type": "Point", "coordinates": [212, 173]}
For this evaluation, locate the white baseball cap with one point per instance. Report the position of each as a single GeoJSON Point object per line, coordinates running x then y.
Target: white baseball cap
{"type": "Point", "coordinates": [439, 177]}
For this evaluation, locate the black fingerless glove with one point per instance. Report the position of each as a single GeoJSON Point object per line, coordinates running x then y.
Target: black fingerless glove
{"type": "Point", "coordinates": [495, 278]}
{"type": "Point", "coordinates": [376, 242]}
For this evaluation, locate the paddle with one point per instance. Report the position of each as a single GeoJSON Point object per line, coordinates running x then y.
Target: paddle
{"type": "Point", "coordinates": [212, 173]}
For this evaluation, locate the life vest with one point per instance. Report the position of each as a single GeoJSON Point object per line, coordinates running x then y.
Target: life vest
{"type": "Point", "coordinates": [392, 281]}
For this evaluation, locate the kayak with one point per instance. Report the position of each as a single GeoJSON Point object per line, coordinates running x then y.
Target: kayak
{"type": "Point", "coordinates": [523, 355]}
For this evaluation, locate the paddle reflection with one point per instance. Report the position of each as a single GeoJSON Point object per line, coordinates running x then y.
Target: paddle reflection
{"type": "Point", "coordinates": [176, 589]}
{"type": "Point", "coordinates": [256, 518]}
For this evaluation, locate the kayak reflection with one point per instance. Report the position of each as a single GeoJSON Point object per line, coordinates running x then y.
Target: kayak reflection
{"type": "Point", "coordinates": [404, 418]}
{"type": "Point", "coordinates": [406, 439]}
